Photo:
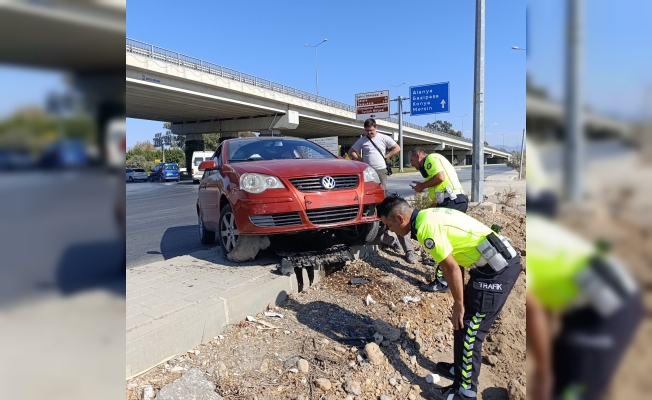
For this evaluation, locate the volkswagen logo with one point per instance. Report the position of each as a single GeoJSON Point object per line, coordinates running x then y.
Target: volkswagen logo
{"type": "Point", "coordinates": [328, 182]}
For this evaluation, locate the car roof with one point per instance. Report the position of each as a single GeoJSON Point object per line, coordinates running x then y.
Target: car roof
{"type": "Point", "coordinates": [266, 138]}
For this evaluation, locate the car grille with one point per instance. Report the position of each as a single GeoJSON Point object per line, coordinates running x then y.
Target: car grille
{"type": "Point", "coordinates": [325, 216]}
{"type": "Point", "coordinates": [313, 184]}
{"type": "Point", "coordinates": [274, 220]}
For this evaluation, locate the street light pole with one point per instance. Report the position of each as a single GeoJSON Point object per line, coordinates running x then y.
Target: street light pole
{"type": "Point", "coordinates": [463, 122]}
{"type": "Point", "coordinates": [574, 122]}
{"type": "Point", "coordinates": [316, 64]}
{"type": "Point", "coordinates": [520, 163]}
{"type": "Point", "coordinates": [400, 126]}
{"type": "Point", "coordinates": [477, 169]}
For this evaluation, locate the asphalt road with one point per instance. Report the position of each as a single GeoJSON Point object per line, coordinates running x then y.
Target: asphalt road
{"type": "Point", "coordinates": [401, 182]}
{"type": "Point", "coordinates": [59, 234]}
{"type": "Point", "coordinates": [162, 221]}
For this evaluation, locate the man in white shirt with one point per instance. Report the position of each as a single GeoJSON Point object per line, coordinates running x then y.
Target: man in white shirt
{"type": "Point", "coordinates": [374, 148]}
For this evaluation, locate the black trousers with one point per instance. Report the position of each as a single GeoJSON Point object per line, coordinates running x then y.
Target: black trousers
{"type": "Point", "coordinates": [589, 347]}
{"type": "Point", "coordinates": [461, 203]}
{"type": "Point", "coordinates": [484, 296]}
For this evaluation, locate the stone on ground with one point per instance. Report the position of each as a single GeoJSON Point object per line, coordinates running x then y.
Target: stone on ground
{"type": "Point", "coordinates": [192, 385]}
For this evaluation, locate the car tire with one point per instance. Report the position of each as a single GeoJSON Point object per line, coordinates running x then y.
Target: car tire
{"type": "Point", "coordinates": [363, 234]}
{"type": "Point", "coordinates": [178, 179]}
{"type": "Point", "coordinates": [228, 231]}
{"type": "Point", "coordinates": [160, 178]}
{"type": "Point", "coordinates": [131, 179]}
{"type": "Point", "coordinates": [195, 181]}
{"type": "Point", "coordinates": [205, 236]}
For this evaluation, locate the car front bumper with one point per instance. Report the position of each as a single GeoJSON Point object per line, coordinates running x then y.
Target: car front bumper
{"type": "Point", "coordinates": [297, 211]}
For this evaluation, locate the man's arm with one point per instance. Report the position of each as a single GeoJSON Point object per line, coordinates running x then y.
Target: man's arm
{"type": "Point", "coordinates": [354, 155]}
{"type": "Point", "coordinates": [538, 340]}
{"type": "Point", "coordinates": [432, 182]}
{"type": "Point", "coordinates": [453, 276]}
{"type": "Point", "coordinates": [392, 151]}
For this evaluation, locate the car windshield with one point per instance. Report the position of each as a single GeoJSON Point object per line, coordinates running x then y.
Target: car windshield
{"type": "Point", "coordinates": [172, 166]}
{"type": "Point", "coordinates": [268, 149]}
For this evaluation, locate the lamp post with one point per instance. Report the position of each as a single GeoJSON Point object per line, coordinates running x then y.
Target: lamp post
{"type": "Point", "coordinates": [316, 63]}
{"type": "Point", "coordinates": [400, 113]}
{"type": "Point", "coordinates": [462, 116]}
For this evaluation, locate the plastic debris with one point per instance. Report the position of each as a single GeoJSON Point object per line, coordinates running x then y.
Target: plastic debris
{"type": "Point", "coordinates": [392, 306]}
{"type": "Point", "coordinates": [293, 370]}
{"type": "Point", "coordinates": [369, 300]}
{"type": "Point", "coordinates": [251, 319]}
{"type": "Point", "coordinates": [359, 280]}
{"type": "Point", "coordinates": [273, 314]}
{"type": "Point", "coordinates": [148, 393]}
{"type": "Point", "coordinates": [432, 378]}
{"type": "Point", "coordinates": [414, 299]}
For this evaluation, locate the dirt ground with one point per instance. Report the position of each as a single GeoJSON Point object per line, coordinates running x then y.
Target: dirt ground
{"type": "Point", "coordinates": [329, 324]}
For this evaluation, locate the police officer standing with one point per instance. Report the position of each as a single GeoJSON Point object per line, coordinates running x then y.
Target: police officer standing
{"type": "Point", "coordinates": [443, 184]}
{"type": "Point", "coordinates": [376, 150]}
{"type": "Point", "coordinates": [455, 239]}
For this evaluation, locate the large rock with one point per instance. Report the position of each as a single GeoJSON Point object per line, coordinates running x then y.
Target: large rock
{"type": "Point", "coordinates": [353, 387]}
{"type": "Point", "coordinates": [374, 354]}
{"type": "Point", "coordinates": [193, 385]}
{"type": "Point", "coordinates": [303, 366]}
{"type": "Point", "coordinates": [516, 390]}
{"type": "Point", "coordinates": [388, 331]}
{"type": "Point", "coordinates": [323, 384]}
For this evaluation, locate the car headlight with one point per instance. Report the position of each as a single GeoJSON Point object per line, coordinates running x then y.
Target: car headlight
{"type": "Point", "coordinates": [258, 183]}
{"type": "Point", "coordinates": [370, 175]}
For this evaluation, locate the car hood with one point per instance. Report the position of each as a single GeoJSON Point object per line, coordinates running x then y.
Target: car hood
{"type": "Point", "coordinates": [301, 168]}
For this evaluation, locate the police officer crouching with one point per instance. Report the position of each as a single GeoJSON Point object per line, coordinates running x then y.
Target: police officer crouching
{"type": "Point", "coordinates": [455, 239]}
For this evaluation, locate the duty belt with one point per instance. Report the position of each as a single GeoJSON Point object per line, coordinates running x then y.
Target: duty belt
{"type": "Point", "coordinates": [440, 196]}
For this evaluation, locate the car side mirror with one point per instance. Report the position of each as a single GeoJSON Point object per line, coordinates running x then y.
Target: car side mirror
{"type": "Point", "coordinates": [209, 165]}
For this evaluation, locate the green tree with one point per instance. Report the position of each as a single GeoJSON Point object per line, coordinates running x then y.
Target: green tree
{"type": "Point", "coordinates": [444, 127]}
{"type": "Point", "coordinates": [211, 141]}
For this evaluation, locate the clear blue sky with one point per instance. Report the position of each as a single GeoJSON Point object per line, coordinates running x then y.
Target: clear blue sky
{"type": "Point", "coordinates": [617, 69]}
{"type": "Point", "coordinates": [371, 44]}
{"type": "Point", "coordinates": [27, 87]}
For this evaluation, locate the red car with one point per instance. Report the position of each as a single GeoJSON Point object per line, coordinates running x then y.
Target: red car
{"type": "Point", "coordinates": [281, 185]}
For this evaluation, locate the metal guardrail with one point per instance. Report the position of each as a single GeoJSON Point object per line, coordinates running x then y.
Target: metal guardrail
{"type": "Point", "coordinates": [173, 57]}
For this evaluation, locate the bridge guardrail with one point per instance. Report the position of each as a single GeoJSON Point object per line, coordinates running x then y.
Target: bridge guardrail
{"type": "Point", "coordinates": [173, 57]}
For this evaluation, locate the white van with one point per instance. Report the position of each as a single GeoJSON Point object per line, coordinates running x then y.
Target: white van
{"type": "Point", "coordinates": [197, 158]}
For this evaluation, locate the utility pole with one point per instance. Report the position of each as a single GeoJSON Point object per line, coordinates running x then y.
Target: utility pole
{"type": "Point", "coordinates": [400, 113]}
{"type": "Point", "coordinates": [477, 169]}
{"type": "Point", "coordinates": [574, 121]}
{"type": "Point", "coordinates": [520, 163]}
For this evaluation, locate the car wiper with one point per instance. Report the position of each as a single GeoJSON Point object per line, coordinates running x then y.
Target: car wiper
{"type": "Point", "coordinates": [245, 159]}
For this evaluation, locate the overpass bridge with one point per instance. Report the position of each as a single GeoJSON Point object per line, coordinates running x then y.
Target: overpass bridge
{"type": "Point", "coordinates": [200, 97]}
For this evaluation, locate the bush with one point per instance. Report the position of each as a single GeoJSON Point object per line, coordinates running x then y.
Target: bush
{"type": "Point", "coordinates": [514, 161]}
{"type": "Point", "coordinates": [422, 201]}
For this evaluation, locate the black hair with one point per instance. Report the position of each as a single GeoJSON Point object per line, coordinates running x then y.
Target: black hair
{"type": "Point", "coordinates": [369, 122]}
{"type": "Point", "coordinates": [391, 206]}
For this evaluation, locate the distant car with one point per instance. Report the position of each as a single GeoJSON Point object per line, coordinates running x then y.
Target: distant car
{"type": "Point", "coordinates": [271, 186]}
{"type": "Point", "coordinates": [197, 158]}
{"type": "Point", "coordinates": [136, 174]}
{"type": "Point", "coordinates": [165, 172]}
{"type": "Point", "coordinates": [66, 153]}
{"type": "Point", "coordinates": [115, 143]}
{"type": "Point", "coordinates": [15, 159]}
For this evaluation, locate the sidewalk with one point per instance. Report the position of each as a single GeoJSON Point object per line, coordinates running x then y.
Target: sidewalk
{"type": "Point", "coordinates": [176, 304]}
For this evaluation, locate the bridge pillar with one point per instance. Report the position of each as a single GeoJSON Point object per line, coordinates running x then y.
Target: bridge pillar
{"type": "Point", "coordinates": [194, 142]}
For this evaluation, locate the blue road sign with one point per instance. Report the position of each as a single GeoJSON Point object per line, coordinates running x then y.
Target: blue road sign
{"type": "Point", "coordinates": [429, 99]}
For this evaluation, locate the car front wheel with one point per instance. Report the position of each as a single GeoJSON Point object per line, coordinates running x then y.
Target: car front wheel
{"type": "Point", "coordinates": [229, 233]}
{"type": "Point", "coordinates": [205, 236]}
{"type": "Point", "coordinates": [131, 179]}
{"type": "Point", "coordinates": [358, 235]}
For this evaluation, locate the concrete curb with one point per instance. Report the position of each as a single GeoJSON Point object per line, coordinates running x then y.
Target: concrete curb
{"type": "Point", "coordinates": [176, 304]}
